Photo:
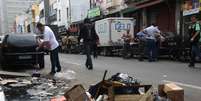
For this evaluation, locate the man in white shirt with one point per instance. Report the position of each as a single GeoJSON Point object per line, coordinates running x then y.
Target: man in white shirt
{"type": "Point", "coordinates": [49, 42]}
{"type": "Point", "coordinates": [151, 37]}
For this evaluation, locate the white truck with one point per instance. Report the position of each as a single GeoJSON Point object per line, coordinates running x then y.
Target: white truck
{"type": "Point", "coordinates": [110, 31]}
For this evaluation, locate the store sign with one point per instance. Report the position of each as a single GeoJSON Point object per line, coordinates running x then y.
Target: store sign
{"type": "Point", "coordinates": [94, 12]}
{"type": "Point", "coordinates": [200, 4]}
{"type": "Point", "coordinates": [191, 7]}
{"type": "Point", "coordinates": [136, 1]}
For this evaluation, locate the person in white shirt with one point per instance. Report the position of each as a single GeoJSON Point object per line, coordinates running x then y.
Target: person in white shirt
{"type": "Point", "coordinates": [49, 42]}
{"type": "Point", "coordinates": [152, 33]}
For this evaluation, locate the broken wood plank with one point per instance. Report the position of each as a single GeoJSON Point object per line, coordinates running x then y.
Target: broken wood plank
{"type": "Point", "coordinates": [5, 74]}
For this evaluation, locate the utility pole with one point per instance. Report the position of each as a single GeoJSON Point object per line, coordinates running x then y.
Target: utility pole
{"type": "Point", "coordinates": [70, 12]}
{"type": "Point", "coordinates": [46, 7]}
{"type": "Point", "coordinates": [121, 8]}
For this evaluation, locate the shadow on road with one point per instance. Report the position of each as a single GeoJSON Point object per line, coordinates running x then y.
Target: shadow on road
{"type": "Point", "coordinates": [18, 68]}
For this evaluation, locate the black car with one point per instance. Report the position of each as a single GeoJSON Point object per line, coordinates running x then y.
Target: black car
{"type": "Point", "coordinates": [20, 49]}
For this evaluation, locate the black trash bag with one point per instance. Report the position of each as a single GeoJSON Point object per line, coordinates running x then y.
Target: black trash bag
{"type": "Point", "coordinates": [124, 78]}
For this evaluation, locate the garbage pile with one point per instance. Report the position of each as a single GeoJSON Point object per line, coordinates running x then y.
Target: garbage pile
{"type": "Point", "coordinates": [121, 87]}
{"type": "Point", "coordinates": [33, 89]}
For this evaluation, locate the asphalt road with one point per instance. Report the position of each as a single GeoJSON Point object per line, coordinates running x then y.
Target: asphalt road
{"type": "Point", "coordinates": [150, 73]}
{"type": "Point", "coordinates": [153, 73]}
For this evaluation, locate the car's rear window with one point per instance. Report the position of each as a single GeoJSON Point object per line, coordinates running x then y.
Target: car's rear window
{"type": "Point", "coordinates": [21, 40]}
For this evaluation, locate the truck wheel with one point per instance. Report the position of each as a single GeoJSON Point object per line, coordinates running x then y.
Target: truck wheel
{"type": "Point", "coordinates": [42, 64]}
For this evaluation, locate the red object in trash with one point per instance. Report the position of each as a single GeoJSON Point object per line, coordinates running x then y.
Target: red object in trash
{"type": "Point", "coordinates": [59, 99]}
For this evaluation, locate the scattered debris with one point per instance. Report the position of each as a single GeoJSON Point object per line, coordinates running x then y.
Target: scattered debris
{"type": "Point", "coordinates": [34, 88]}
{"type": "Point", "coordinates": [7, 81]}
{"type": "Point", "coordinates": [171, 91]}
{"type": "Point", "coordinates": [68, 75]}
{"type": "Point", "coordinates": [77, 93]}
{"type": "Point", "coordinates": [120, 87]}
{"type": "Point", "coordinates": [2, 95]}
{"type": "Point", "coordinates": [62, 98]}
{"type": "Point", "coordinates": [5, 74]}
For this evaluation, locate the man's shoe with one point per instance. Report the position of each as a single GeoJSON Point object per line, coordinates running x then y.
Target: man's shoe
{"type": "Point", "coordinates": [87, 66]}
{"type": "Point", "coordinates": [191, 66]}
{"type": "Point", "coordinates": [141, 59]}
{"type": "Point", "coordinates": [52, 73]}
{"type": "Point", "coordinates": [90, 68]}
{"type": "Point", "coordinates": [58, 70]}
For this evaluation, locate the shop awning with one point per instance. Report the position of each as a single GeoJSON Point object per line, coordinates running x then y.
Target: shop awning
{"type": "Point", "coordinates": [137, 6]}
{"type": "Point", "coordinates": [147, 4]}
{"type": "Point", "coordinates": [128, 10]}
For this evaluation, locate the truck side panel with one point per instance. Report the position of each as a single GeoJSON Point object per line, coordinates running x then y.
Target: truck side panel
{"type": "Point", "coordinates": [118, 28]}
{"type": "Point", "coordinates": [102, 29]}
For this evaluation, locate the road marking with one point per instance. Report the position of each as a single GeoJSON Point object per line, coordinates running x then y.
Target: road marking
{"type": "Point", "coordinates": [73, 63]}
{"type": "Point", "coordinates": [183, 84]}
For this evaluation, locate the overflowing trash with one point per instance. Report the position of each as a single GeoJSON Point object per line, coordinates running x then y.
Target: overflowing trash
{"type": "Point", "coordinates": [33, 89]}
{"type": "Point", "coordinates": [119, 87]}
{"type": "Point", "coordinates": [36, 87]}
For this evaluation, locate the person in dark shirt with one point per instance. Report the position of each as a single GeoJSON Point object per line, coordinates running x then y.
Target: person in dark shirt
{"type": "Point", "coordinates": [194, 31]}
{"type": "Point", "coordinates": [88, 34]}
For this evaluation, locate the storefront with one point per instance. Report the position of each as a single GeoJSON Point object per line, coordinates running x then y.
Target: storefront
{"type": "Point", "coordinates": [162, 14]}
{"type": "Point", "coordinates": [146, 12]}
{"type": "Point", "coordinates": [190, 8]}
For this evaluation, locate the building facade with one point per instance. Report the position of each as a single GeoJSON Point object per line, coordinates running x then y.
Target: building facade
{"type": "Point", "coordinates": [42, 12]}
{"type": "Point", "coordinates": [13, 8]}
{"type": "Point", "coordinates": [62, 12]}
{"type": "Point", "coordinates": [78, 10]}
{"type": "Point", "coordinates": [2, 17]}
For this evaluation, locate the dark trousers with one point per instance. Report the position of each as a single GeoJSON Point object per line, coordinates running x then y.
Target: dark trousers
{"type": "Point", "coordinates": [157, 49]}
{"type": "Point", "coordinates": [195, 52]}
{"type": "Point", "coordinates": [95, 50]}
{"type": "Point", "coordinates": [88, 50]}
{"type": "Point", "coordinates": [151, 49]}
{"type": "Point", "coordinates": [126, 49]}
{"type": "Point", "coordinates": [141, 50]}
{"type": "Point", "coordinates": [54, 57]}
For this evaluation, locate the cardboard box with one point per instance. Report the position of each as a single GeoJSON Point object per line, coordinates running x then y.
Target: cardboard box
{"type": "Point", "coordinates": [147, 96]}
{"type": "Point", "coordinates": [171, 91]}
{"type": "Point", "coordinates": [77, 93]}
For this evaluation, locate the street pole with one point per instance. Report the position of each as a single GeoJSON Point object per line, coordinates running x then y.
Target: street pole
{"type": "Point", "coordinates": [46, 7]}
{"type": "Point", "coordinates": [121, 9]}
{"type": "Point", "coordinates": [70, 11]}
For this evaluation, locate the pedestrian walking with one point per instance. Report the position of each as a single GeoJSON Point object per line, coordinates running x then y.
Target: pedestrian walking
{"type": "Point", "coordinates": [194, 31]}
{"type": "Point", "coordinates": [88, 34]}
{"type": "Point", "coordinates": [152, 33]}
{"type": "Point", "coordinates": [127, 37]}
{"type": "Point", "coordinates": [49, 42]}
